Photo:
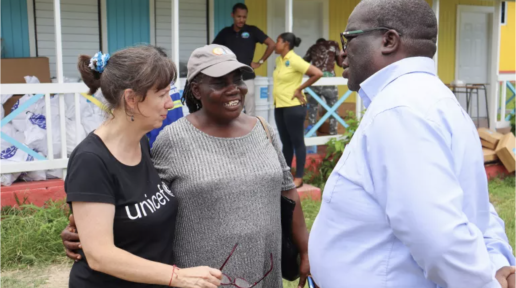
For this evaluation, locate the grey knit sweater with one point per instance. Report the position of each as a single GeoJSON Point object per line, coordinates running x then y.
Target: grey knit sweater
{"type": "Point", "coordinates": [229, 191]}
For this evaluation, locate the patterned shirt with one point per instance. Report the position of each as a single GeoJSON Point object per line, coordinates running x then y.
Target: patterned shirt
{"type": "Point", "coordinates": [324, 55]}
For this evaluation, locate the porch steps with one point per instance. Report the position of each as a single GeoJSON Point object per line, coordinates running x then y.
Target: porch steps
{"type": "Point", "coordinates": [36, 193]}
{"type": "Point", "coordinates": [39, 192]}
{"type": "Point", "coordinates": [309, 192]}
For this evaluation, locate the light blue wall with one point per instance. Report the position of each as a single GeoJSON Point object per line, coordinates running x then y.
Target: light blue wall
{"type": "Point", "coordinates": [15, 29]}
{"type": "Point", "coordinates": [222, 14]}
{"type": "Point", "coordinates": [128, 23]}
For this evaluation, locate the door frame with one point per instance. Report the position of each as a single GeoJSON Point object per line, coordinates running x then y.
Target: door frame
{"type": "Point", "coordinates": [489, 10]}
{"type": "Point", "coordinates": [270, 22]}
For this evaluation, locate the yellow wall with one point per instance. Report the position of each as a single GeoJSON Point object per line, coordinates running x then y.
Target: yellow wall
{"type": "Point", "coordinates": [508, 42]}
{"type": "Point", "coordinates": [339, 14]}
{"type": "Point", "coordinates": [258, 17]}
{"type": "Point", "coordinates": [447, 35]}
{"type": "Point", "coordinates": [339, 11]}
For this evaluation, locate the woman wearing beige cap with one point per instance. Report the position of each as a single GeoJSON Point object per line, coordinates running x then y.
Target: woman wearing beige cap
{"type": "Point", "coordinates": [228, 179]}
{"type": "Point", "coordinates": [228, 176]}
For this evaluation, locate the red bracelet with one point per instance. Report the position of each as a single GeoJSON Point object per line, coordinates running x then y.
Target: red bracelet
{"type": "Point", "coordinates": [174, 267]}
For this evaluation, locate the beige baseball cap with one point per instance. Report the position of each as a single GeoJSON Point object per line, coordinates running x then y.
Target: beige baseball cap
{"type": "Point", "coordinates": [215, 61]}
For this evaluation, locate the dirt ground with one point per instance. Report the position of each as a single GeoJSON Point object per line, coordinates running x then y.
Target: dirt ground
{"type": "Point", "coordinates": [54, 276]}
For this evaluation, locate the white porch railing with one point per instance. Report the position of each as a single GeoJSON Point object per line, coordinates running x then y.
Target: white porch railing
{"type": "Point", "coordinates": [505, 83]}
{"type": "Point", "coordinates": [265, 106]}
{"type": "Point", "coordinates": [50, 162]}
{"type": "Point", "coordinates": [263, 94]}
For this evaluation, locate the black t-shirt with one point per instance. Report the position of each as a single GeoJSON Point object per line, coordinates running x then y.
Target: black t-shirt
{"type": "Point", "coordinates": [146, 209]}
{"type": "Point", "coordinates": [242, 43]}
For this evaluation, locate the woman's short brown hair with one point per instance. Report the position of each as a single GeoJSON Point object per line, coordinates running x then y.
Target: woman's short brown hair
{"type": "Point", "coordinates": [138, 68]}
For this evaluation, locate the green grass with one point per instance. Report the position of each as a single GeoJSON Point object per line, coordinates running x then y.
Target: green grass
{"type": "Point", "coordinates": [30, 236]}
{"type": "Point", "coordinates": [502, 195]}
{"type": "Point", "coordinates": [31, 242]}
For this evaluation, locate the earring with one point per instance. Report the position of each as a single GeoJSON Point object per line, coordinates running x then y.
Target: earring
{"type": "Point", "coordinates": [132, 118]}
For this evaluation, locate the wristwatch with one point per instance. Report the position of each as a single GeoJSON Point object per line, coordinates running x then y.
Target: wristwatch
{"type": "Point", "coordinates": [260, 62]}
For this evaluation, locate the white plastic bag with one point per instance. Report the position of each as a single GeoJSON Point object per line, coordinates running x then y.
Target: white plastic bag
{"type": "Point", "coordinates": [3, 99]}
{"type": "Point", "coordinates": [36, 128]}
{"type": "Point", "coordinates": [10, 153]}
{"type": "Point", "coordinates": [55, 174]}
{"type": "Point", "coordinates": [71, 133]}
{"type": "Point", "coordinates": [19, 121]}
{"type": "Point", "coordinates": [33, 175]}
{"type": "Point", "coordinates": [93, 116]}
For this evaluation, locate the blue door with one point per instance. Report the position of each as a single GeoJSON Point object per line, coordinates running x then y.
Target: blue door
{"type": "Point", "coordinates": [222, 14]}
{"type": "Point", "coordinates": [15, 29]}
{"type": "Point", "coordinates": [128, 23]}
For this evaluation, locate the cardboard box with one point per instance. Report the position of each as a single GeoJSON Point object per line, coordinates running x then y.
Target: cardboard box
{"type": "Point", "coordinates": [489, 155]}
{"type": "Point", "coordinates": [15, 69]}
{"type": "Point", "coordinates": [506, 152]}
{"type": "Point", "coordinates": [489, 138]}
{"type": "Point", "coordinates": [10, 103]}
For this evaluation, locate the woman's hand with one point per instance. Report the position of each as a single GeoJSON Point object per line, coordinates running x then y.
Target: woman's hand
{"type": "Point", "coordinates": [299, 95]}
{"type": "Point", "coordinates": [71, 240]}
{"type": "Point", "coordinates": [197, 277]}
{"type": "Point", "coordinates": [304, 270]}
{"type": "Point", "coordinates": [505, 276]}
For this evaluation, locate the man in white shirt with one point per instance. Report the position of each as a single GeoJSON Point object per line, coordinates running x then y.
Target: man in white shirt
{"type": "Point", "coordinates": [407, 205]}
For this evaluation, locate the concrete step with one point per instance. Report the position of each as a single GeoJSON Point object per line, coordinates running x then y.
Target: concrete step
{"type": "Point", "coordinates": [309, 192]}
{"type": "Point", "coordinates": [37, 192]}
{"type": "Point", "coordinates": [40, 192]}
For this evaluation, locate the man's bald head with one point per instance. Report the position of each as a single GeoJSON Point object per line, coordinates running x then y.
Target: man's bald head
{"type": "Point", "coordinates": [414, 19]}
{"type": "Point", "coordinates": [411, 32]}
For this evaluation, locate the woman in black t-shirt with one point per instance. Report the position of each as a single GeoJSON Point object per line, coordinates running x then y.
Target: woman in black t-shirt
{"type": "Point", "coordinates": [124, 214]}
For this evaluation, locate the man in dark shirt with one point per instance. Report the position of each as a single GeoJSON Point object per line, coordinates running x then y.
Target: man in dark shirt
{"type": "Point", "coordinates": [324, 55]}
{"type": "Point", "coordinates": [242, 39]}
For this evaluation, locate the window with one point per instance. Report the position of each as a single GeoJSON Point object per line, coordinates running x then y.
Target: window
{"type": "Point", "coordinates": [504, 13]}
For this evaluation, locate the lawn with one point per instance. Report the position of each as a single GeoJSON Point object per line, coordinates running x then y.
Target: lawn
{"type": "Point", "coordinates": [32, 253]}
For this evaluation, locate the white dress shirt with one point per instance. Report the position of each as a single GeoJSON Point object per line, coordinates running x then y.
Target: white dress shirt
{"type": "Point", "coordinates": [407, 204]}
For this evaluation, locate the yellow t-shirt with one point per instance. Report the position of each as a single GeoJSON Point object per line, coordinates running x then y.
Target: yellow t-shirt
{"type": "Point", "coordinates": [287, 78]}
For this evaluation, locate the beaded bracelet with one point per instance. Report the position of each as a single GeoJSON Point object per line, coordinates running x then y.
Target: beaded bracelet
{"type": "Point", "coordinates": [174, 267]}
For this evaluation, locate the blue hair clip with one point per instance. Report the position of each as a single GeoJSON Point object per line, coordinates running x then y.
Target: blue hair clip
{"type": "Point", "coordinates": [99, 62]}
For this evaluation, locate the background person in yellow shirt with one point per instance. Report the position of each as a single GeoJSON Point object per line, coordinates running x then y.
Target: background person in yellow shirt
{"type": "Point", "coordinates": [290, 102]}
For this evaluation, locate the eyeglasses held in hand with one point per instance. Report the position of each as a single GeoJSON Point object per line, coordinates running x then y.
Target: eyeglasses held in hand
{"type": "Point", "coordinates": [239, 282]}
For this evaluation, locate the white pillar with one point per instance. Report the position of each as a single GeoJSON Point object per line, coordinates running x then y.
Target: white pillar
{"type": "Point", "coordinates": [60, 79]}
{"type": "Point", "coordinates": [435, 7]}
{"type": "Point", "coordinates": [503, 106]}
{"type": "Point", "coordinates": [175, 36]}
{"type": "Point", "coordinates": [494, 69]}
{"type": "Point", "coordinates": [288, 16]}
{"type": "Point", "coordinates": [58, 41]}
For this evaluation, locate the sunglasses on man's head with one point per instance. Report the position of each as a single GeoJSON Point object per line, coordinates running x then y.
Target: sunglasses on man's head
{"type": "Point", "coordinates": [239, 282]}
{"type": "Point", "coordinates": [347, 35]}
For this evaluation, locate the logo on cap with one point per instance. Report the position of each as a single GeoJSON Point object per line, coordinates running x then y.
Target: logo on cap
{"type": "Point", "coordinates": [245, 35]}
{"type": "Point", "coordinates": [218, 51]}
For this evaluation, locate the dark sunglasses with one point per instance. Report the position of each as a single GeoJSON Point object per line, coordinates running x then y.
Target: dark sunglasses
{"type": "Point", "coordinates": [352, 34]}
{"type": "Point", "coordinates": [239, 282]}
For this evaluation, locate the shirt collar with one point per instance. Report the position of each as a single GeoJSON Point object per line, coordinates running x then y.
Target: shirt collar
{"type": "Point", "coordinates": [241, 30]}
{"type": "Point", "coordinates": [288, 55]}
{"type": "Point", "coordinates": [373, 85]}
